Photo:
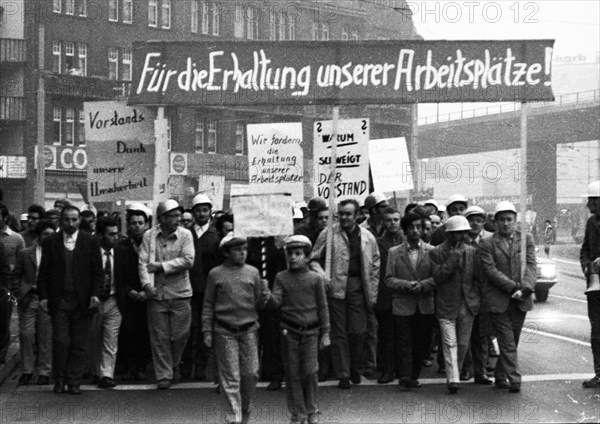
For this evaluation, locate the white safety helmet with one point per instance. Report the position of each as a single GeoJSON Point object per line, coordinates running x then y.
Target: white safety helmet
{"type": "Point", "coordinates": [201, 199]}
{"type": "Point", "coordinates": [505, 207]}
{"type": "Point", "coordinates": [167, 206]}
{"type": "Point", "coordinates": [474, 210]}
{"type": "Point", "coordinates": [457, 223]}
{"type": "Point", "coordinates": [140, 207]}
{"type": "Point", "coordinates": [432, 202]}
{"type": "Point", "coordinates": [374, 199]}
{"type": "Point", "coordinates": [456, 198]}
{"type": "Point", "coordinates": [593, 190]}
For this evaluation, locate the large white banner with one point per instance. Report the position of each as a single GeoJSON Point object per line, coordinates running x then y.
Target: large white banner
{"type": "Point", "coordinates": [120, 151]}
{"type": "Point", "coordinates": [275, 163]}
{"type": "Point", "coordinates": [351, 176]}
{"type": "Point", "coordinates": [389, 160]}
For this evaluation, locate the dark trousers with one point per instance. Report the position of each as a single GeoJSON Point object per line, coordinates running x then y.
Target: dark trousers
{"type": "Point", "coordinates": [593, 299]}
{"type": "Point", "coordinates": [6, 307]}
{"type": "Point", "coordinates": [271, 366]}
{"type": "Point", "coordinates": [507, 327]}
{"type": "Point", "coordinates": [412, 343]}
{"type": "Point", "coordinates": [348, 319]}
{"type": "Point", "coordinates": [195, 352]}
{"type": "Point", "coordinates": [70, 334]}
{"type": "Point", "coordinates": [386, 348]}
{"type": "Point", "coordinates": [134, 341]}
{"type": "Point", "coordinates": [477, 355]}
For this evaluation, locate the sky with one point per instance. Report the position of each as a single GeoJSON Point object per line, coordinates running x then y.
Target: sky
{"type": "Point", "coordinates": [574, 24]}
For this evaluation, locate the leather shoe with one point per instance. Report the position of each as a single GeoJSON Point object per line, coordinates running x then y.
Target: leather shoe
{"type": "Point", "coordinates": [405, 382]}
{"type": "Point", "coordinates": [465, 376]}
{"type": "Point", "coordinates": [355, 377]}
{"type": "Point", "coordinates": [501, 384]}
{"type": "Point", "coordinates": [344, 383]}
{"type": "Point", "coordinates": [453, 388]}
{"type": "Point", "coordinates": [385, 378]}
{"type": "Point", "coordinates": [74, 389]}
{"type": "Point", "coordinates": [59, 388]}
{"type": "Point", "coordinates": [514, 388]}
{"type": "Point", "coordinates": [482, 380]}
{"type": "Point", "coordinates": [106, 383]}
{"type": "Point", "coordinates": [427, 363]}
{"type": "Point", "coordinates": [25, 379]}
{"type": "Point", "coordinates": [274, 385]}
{"type": "Point", "coordinates": [43, 380]}
{"type": "Point", "coordinates": [414, 383]}
{"type": "Point", "coordinates": [163, 384]}
{"type": "Point", "coordinates": [593, 383]}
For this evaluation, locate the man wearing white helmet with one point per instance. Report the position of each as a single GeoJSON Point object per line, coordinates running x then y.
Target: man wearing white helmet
{"type": "Point", "coordinates": [590, 263]}
{"type": "Point", "coordinates": [458, 292]}
{"type": "Point", "coordinates": [376, 203]}
{"type": "Point", "coordinates": [507, 291]}
{"type": "Point", "coordinates": [456, 205]}
{"type": "Point", "coordinates": [206, 258]}
{"type": "Point", "coordinates": [166, 255]}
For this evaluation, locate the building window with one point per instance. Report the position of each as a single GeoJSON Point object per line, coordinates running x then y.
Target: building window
{"type": "Point", "coordinates": [57, 6]}
{"type": "Point", "coordinates": [69, 56]}
{"type": "Point", "coordinates": [83, 8]}
{"type": "Point", "coordinates": [291, 27]}
{"type": "Point", "coordinates": [113, 63]}
{"type": "Point", "coordinates": [81, 128]}
{"type": "Point", "coordinates": [282, 22]}
{"type": "Point", "coordinates": [83, 59]}
{"type": "Point", "coordinates": [69, 7]}
{"type": "Point", "coordinates": [113, 10]}
{"type": "Point", "coordinates": [212, 137]}
{"type": "Point", "coordinates": [153, 13]}
{"type": "Point", "coordinates": [239, 139]}
{"type": "Point", "coordinates": [56, 125]}
{"type": "Point", "coordinates": [325, 32]}
{"type": "Point", "coordinates": [126, 71]}
{"type": "Point", "coordinates": [345, 34]}
{"type": "Point", "coordinates": [70, 126]}
{"type": "Point", "coordinates": [194, 17]}
{"type": "Point", "coordinates": [205, 17]}
{"type": "Point", "coordinates": [238, 25]}
{"type": "Point", "coordinates": [216, 19]}
{"type": "Point", "coordinates": [315, 31]}
{"type": "Point", "coordinates": [272, 25]}
{"type": "Point", "coordinates": [354, 36]}
{"type": "Point", "coordinates": [166, 14]}
{"type": "Point", "coordinates": [169, 134]}
{"type": "Point", "coordinates": [199, 142]}
{"type": "Point", "coordinates": [127, 11]}
{"type": "Point", "coordinates": [56, 57]}
{"type": "Point", "coordinates": [250, 23]}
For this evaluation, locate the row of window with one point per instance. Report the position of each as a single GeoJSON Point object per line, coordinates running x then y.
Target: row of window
{"type": "Point", "coordinates": [206, 136]}
{"type": "Point", "coordinates": [206, 19]}
{"type": "Point", "coordinates": [69, 57]}
{"type": "Point", "coordinates": [68, 126]}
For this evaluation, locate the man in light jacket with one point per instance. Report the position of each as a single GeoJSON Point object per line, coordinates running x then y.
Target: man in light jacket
{"type": "Point", "coordinates": [351, 290]}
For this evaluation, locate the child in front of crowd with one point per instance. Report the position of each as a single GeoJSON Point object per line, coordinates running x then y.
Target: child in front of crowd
{"type": "Point", "coordinates": [234, 293]}
{"type": "Point", "coordinates": [304, 327]}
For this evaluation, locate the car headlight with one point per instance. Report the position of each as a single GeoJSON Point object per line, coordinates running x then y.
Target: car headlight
{"type": "Point", "coordinates": [547, 271]}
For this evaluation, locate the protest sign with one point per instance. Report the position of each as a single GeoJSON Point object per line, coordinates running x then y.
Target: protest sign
{"type": "Point", "coordinates": [214, 187]}
{"type": "Point", "coordinates": [351, 178]}
{"type": "Point", "coordinates": [263, 215]}
{"type": "Point", "coordinates": [120, 151]}
{"type": "Point", "coordinates": [275, 159]}
{"type": "Point", "coordinates": [387, 157]}
{"type": "Point", "coordinates": [341, 72]}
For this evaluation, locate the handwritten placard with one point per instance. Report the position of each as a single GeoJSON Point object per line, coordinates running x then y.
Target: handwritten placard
{"type": "Point", "coordinates": [389, 159]}
{"type": "Point", "coordinates": [263, 215]}
{"type": "Point", "coordinates": [275, 159]}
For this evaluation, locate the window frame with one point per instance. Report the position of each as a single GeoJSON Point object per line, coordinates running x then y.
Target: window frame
{"type": "Point", "coordinates": [212, 133]}
{"type": "Point", "coordinates": [70, 7]}
{"type": "Point", "coordinates": [82, 58]}
{"type": "Point", "coordinates": [239, 21]}
{"type": "Point", "coordinates": [113, 12]}
{"type": "Point", "coordinates": [57, 6]}
{"type": "Point", "coordinates": [199, 130]}
{"type": "Point", "coordinates": [113, 61]}
{"type": "Point", "coordinates": [69, 53]}
{"type": "Point", "coordinates": [153, 6]}
{"type": "Point", "coordinates": [69, 126]}
{"type": "Point", "coordinates": [57, 56]}
{"type": "Point", "coordinates": [194, 12]}
{"type": "Point", "coordinates": [126, 61]}
{"type": "Point", "coordinates": [240, 130]}
{"type": "Point", "coordinates": [81, 128]}
{"type": "Point", "coordinates": [205, 18]}
{"type": "Point", "coordinates": [57, 120]}
{"type": "Point", "coordinates": [83, 8]}
{"type": "Point", "coordinates": [216, 19]}
{"type": "Point", "coordinates": [166, 10]}
{"type": "Point", "coordinates": [291, 27]}
{"type": "Point", "coordinates": [128, 6]}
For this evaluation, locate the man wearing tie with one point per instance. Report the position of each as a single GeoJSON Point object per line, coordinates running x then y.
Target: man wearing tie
{"type": "Point", "coordinates": [107, 321]}
{"type": "Point", "coordinates": [69, 284]}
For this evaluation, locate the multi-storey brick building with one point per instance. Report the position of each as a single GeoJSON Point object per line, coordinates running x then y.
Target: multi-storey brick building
{"type": "Point", "coordinates": [81, 50]}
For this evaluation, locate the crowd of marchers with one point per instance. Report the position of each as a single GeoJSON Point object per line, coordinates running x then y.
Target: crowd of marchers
{"type": "Point", "coordinates": [191, 298]}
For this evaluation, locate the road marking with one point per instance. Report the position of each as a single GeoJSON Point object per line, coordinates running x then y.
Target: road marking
{"type": "Point", "coordinates": [556, 336]}
{"type": "Point", "coordinates": [568, 298]}
{"type": "Point", "coordinates": [331, 383]}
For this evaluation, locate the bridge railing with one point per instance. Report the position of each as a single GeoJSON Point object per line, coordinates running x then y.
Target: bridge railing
{"type": "Point", "coordinates": [564, 99]}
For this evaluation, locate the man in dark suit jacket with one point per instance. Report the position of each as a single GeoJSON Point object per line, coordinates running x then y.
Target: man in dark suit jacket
{"type": "Point", "coordinates": [507, 291]}
{"type": "Point", "coordinates": [34, 323]}
{"type": "Point", "coordinates": [70, 282]}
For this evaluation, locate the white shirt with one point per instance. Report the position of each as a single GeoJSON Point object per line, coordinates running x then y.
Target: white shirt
{"type": "Point", "coordinates": [70, 240]}
{"type": "Point", "coordinates": [201, 229]}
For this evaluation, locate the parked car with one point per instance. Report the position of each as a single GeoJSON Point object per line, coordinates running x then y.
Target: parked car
{"type": "Point", "coordinates": [547, 276]}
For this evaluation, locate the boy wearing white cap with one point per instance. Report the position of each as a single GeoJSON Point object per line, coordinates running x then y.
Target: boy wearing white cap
{"type": "Point", "coordinates": [234, 293]}
{"type": "Point", "coordinates": [304, 320]}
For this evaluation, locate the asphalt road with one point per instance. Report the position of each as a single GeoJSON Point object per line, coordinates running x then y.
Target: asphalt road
{"type": "Point", "coordinates": [554, 355]}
